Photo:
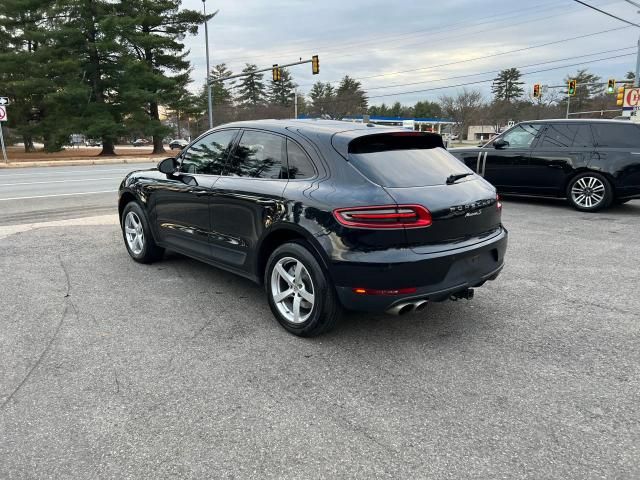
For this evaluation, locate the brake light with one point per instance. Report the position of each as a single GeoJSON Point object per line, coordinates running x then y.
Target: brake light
{"type": "Point", "coordinates": [375, 291]}
{"type": "Point", "coordinates": [498, 202]}
{"type": "Point", "coordinates": [384, 216]}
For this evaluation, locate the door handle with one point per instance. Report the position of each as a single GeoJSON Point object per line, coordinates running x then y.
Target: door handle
{"type": "Point", "coordinates": [200, 193]}
{"type": "Point", "coordinates": [555, 166]}
{"type": "Point", "coordinates": [266, 203]}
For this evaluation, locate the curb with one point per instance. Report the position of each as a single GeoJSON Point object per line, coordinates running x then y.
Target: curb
{"type": "Point", "coordinates": [80, 162]}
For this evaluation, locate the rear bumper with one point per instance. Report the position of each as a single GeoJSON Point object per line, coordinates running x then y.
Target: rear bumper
{"type": "Point", "coordinates": [435, 276]}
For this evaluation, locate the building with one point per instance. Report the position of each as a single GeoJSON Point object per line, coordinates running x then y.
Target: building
{"type": "Point", "coordinates": [481, 132]}
{"type": "Point", "coordinates": [437, 125]}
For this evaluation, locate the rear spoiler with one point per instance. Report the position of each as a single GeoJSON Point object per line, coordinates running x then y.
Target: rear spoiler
{"type": "Point", "coordinates": [359, 141]}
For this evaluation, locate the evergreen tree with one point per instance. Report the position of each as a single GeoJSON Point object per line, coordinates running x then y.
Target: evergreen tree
{"type": "Point", "coordinates": [427, 109]}
{"type": "Point", "coordinates": [85, 33]}
{"type": "Point", "coordinates": [43, 82]}
{"type": "Point", "coordinates": [322, 98]}
{"type": "Point", "coordinates": [251, 91]}
{"type": "Point", "coordinates": [281, 92]}
{"type": "Point", "coordinates": [220, 89]}
{"type": "Point", "coordinates": [350, 98]}
{"type": "Point", "coordinates": [588, 86]}
{"type": "Point", "coordinates": [507, 86]}
{"type": "Point", "coordinates": [153, 32]}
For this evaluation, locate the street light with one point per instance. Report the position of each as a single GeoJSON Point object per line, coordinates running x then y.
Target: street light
{"type": "Point", "coordinates": [206, 41]}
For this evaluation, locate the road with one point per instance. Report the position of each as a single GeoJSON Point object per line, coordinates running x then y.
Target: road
{"type": "Point", "coordinates": [53, 193]}
{"type": "Point", "coordinates": [112, 369]}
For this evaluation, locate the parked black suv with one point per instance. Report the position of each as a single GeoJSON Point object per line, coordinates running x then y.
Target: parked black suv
{"type": "Point", "coordinates": [325, 214]}
{"type": "Point", "coordinates": [591, 163]}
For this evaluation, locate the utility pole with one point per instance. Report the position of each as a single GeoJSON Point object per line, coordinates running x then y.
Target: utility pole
{"type": "Point", "coordinates": [206, 41]}
{"type": "Point", "coordinates": [568, 104]}
{"type": "Point", "coordinates": [295, 103]}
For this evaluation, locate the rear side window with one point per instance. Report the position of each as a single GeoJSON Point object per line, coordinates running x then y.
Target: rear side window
{"type": "Point", "coordinates": [408, 167]}
{"type": "Point", "coordinates": [300, 165]}
{"type": "Point", "coordinates": [616, 136]}
{"type": "Point", "coordinates": [258, 155]}
{"type": "Point", "coordinates": [565, 135]}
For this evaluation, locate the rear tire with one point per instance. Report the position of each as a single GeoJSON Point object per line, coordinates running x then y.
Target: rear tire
{"type": "Point", "coordinates": [299, 292]}
{"type": "Point", "coordinates": [589, 192]}
{"type": "Point", "coordinates": [137, 235]}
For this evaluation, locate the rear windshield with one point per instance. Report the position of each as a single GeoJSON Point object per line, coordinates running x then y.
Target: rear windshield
{"type": "Point", "coordinates": [413, 167]}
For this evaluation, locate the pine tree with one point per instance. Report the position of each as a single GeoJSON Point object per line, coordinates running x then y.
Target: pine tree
{"type": "Point", "coordinates": [588, 86]}
{"type": "Point", "coordinates": [281, 92]}
{"type": "Point", "coordinates": [251, 91]}
{"type": "Point", "coordinates": [85, 33]}
{"type": "Point", "coordinates": [220, 89]}
{"type": "Point", "coordinates": [350, 98]}
{"type": "Point", "coordinates": [153, 31]}
{"type": "Point", "coordinates": [322, 98]}
{"type": "Point", "coordinates": [507, 86]}
{"type": "Point", "coordinates": [43, 82]}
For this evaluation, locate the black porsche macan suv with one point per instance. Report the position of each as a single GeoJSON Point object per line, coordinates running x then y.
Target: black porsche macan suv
{"type": "Point", "coordinates": [325, 214]}
{"type": "Point", "coordinates": [591, 163]}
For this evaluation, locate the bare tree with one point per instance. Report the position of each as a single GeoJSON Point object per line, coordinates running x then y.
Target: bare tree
{"type": "Point", "coordinates": [463, 108]}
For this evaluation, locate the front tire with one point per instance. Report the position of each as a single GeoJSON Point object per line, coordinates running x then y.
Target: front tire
{"type": "Point", "coordinates": [137, 235]}
{"type": "Point", "coordinates": [299, 292]}
{"type": "Point", "coordinates": [589, 192]}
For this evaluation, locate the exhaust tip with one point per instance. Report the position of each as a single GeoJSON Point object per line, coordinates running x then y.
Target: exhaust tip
{"type": "Point", "coordinates": [408, 308]}
{"type": "Point", "coordinates": [420, 305]}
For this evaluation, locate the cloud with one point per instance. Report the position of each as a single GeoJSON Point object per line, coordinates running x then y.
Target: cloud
{"type": "Point", "coordinates": [375, 37]}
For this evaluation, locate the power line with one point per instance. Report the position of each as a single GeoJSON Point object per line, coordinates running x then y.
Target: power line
{"type": "Point", "coordinates": [491, 79]}
{"type": "Point", "coordinates": [606, 13]}
{"type": "Point", "coordinates": [429, 32]}
{"type": "Point", "coordinates": [517, 50]}
{"type": "Point", "coordinates": [499, 70]}
{"type": "Point", "coordinates": [476, 82]}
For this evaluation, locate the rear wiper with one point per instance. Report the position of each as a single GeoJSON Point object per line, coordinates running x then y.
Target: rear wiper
{"type": "Point", "coordinates": [451, 179]}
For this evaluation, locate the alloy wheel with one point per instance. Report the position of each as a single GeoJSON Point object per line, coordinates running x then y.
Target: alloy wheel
{"type": "Point", "coordinates": [588, 192]}
{"type": "Point", "coordinates": [134, 233]}
{"type": "Point", "coordinates": [292, 290]}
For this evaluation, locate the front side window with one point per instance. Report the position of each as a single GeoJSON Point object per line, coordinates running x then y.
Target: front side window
{"type": "Point", "coordinates": [521, 136]}
{"type": "Point", "coordinates": [259, 155]}
{"type": "Point", "coordinates": [209, 154]}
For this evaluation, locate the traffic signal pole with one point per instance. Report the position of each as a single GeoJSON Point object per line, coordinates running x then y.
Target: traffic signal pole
{"type": "Point", "coordinates": [636, 82]}
{"type": "Point", "coordinates": [568, 103]}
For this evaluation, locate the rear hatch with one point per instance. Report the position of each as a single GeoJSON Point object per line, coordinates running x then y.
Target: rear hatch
{"type": "Point", "coordinates": [415, 170]}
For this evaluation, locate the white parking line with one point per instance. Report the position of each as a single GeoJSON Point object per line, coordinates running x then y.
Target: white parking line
{"type": "Point", "coordinates": [57, 195]}
{"type": "Point", "coordinates": [60, 181]}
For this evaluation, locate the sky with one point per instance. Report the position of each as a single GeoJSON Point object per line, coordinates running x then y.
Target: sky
{"type": "Point", "coordinates": [377, 41]}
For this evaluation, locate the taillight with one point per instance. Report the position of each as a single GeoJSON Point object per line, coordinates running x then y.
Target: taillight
{"type": "Point", "coordinates": [498, 202]}
{"type": "Point", "coordinates": [392, 291]}
{"type": "Point", "coordinates": [384, 216]}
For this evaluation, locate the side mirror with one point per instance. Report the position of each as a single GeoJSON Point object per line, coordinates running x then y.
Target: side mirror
{"type": "Point", "coordinates": [168, 165]}
{"type": "Point", "coordinates": [500, 144]}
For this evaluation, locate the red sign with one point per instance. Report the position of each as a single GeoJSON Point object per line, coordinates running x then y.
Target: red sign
{"type": "Point", "coordinates": [632, 97]}
{"type": "Point", "coordinates": [3, 114]}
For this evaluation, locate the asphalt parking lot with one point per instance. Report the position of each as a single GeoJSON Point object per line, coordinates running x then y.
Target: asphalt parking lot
{"type": "Point", "coordinates": [111, 369]}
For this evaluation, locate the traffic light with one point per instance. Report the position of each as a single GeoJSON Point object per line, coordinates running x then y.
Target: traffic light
{"type": "Point", "coordinates": [315, 64]}
{"type": "Point", "coordinates": [277, 73]}
{"type": "Point", "coordinates": [611, 86]}
{"type": "Point", "coordinates": [572, 87]}
{"type": "Point", "coordinates": [620, 97]}
{"type": "Point", "coordinates": [537, 90]}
